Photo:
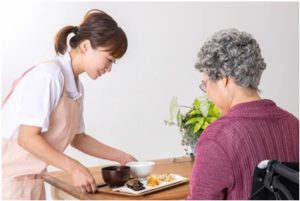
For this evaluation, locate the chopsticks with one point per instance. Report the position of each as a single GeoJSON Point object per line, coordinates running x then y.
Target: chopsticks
{"type": "Point", "coordinates": [105, 184]}
{"type": "Point", "coordinates": [101, 185]}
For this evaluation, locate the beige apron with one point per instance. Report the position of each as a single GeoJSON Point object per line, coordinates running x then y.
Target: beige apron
{"type": "Point", "coordinates": [20, 169]}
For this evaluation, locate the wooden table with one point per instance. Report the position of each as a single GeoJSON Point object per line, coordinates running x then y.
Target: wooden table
{"type": "Point", "coordinates": [62, 188]}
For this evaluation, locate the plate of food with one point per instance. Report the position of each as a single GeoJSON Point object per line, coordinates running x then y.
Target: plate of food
{"type": "Point", "coordinates": [153, 183]}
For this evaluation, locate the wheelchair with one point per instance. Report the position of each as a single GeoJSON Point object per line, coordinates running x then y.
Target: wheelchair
{"type": "Point", "coordinates": [274, 180]}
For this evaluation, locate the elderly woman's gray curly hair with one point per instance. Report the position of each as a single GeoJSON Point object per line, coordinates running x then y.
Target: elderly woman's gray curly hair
{"type": "Point", "coordinates": [232, 53]}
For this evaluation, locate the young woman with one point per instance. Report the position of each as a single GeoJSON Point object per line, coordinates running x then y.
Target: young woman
{"type": "Point", "coordinates": [43, 113]}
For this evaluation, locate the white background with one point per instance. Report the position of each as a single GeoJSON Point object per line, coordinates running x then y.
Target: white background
{"type": "Point", "coordinates": [127, 107]}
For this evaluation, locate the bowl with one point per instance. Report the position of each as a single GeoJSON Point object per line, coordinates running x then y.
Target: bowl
{"type": "Point", "coordinates": [141, 169]}
{"type": "Point", "coordinates": [115, 176]}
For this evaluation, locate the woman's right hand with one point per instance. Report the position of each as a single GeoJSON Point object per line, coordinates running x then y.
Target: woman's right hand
{"type": "Point", "coordinates": [83, 179]}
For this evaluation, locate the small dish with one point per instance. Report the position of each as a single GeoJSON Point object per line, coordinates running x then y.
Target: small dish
{"type": "Point", "coordinates": [141, 169]}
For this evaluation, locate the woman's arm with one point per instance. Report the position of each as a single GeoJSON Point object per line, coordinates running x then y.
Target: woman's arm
{"type": "Point", "coordinates": [30, 138]}
{"type": "Point", "coordinates": [93, 147]}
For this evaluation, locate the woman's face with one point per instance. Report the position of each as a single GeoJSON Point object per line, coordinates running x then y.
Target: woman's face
{"type": "Point", "coordinates": [97, 62]}
{"type": "Point", "coordinates": [216, 92]}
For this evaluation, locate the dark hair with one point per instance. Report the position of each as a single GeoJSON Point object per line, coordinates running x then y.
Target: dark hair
{"type": "Point", "coordinates": [97, 27]}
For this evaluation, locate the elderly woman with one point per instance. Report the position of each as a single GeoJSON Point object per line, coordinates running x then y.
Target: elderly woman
{"type": "Point", "coordinates": [250, 130]}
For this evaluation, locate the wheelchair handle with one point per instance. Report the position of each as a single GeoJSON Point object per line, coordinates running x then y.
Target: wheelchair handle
{"type": "Point", "coordinates": [286, 172]}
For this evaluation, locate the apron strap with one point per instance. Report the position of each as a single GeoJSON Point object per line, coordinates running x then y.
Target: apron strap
{"type": "Point", "coordinates": [14, 84]}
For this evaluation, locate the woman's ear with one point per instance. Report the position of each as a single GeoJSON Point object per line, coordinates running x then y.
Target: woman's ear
{"type": "Point", "coordinates": [225, 81]}
{"type": "Point", "coordinates": [85, 46]}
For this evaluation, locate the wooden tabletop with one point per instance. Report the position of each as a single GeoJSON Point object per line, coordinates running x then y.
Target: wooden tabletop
{"type": "Point", "coordinates": [62, 188]}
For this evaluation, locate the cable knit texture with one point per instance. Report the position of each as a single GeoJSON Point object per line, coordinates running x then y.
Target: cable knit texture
{"type": "Point", "coordinates": [231, 147]}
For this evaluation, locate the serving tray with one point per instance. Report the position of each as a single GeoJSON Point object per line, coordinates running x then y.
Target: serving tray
{"type": "Point", "coordinates": [124, 190]}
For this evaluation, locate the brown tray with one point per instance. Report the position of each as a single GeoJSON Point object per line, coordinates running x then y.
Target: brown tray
{"type": "Point", "coordinates": [107, 189]}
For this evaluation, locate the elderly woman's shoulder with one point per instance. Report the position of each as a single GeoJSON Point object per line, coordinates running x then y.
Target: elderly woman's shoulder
{"type": "Point", "coordinates": [216, 127]}
{"type": "Point", "coordinates": [224, 127]}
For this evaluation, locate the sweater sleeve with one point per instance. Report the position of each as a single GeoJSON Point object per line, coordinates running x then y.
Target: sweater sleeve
{"type": "Point", "coordinates": [212, 174]}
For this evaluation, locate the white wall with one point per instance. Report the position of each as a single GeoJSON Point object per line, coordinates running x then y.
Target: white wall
{"type": "Point", "coordinates": [126, 108]}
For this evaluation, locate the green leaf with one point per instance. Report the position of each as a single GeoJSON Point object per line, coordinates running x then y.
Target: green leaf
{"type": "Point", "coordinates": [179, 118]}
{"type": "Point", "coordinates": [193, 112]}
{"type": "Point", "coordinates": [214, 111]}
{"type": "Point", "coordinates": [196, 103]}
{"type": "Point", "coordinates": [197, 127]}
{"type": "Point", "coordinates": [204, 125]}
{"type": "Point", "coordinates": [194, 120]}
{"type": "Point", "coordinates": [210, 119]}
{"type": "Point", "coordinates": [169, 123]}
{"type": "Point", "coordinates": [204, 105]}
{"type": "Point", "coordinates": [173, 108]}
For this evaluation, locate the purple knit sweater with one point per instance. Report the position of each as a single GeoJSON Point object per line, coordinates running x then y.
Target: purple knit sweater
{"type": "Point", "coordinates": [231, 147]}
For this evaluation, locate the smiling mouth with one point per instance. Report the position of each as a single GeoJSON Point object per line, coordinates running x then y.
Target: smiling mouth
{"type": "Point", "coordinates": [100, 73]}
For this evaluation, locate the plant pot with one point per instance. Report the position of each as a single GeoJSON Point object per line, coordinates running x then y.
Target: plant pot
{"type": "Point", "coordinates": [192, 156]}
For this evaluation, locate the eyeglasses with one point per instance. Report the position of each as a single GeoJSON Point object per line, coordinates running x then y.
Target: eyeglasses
{"type": "Point", "coordinates": [202, 86]}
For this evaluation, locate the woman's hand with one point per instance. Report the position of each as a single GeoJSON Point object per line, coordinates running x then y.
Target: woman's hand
{"type": "Point", "coordinates": [93, 147]}
{"type": "Point", "coordinates": [125, 158]}
{"type": "Point", "coordinates": [83, 180]}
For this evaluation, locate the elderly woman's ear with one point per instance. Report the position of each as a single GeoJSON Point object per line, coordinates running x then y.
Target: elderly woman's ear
{"type": "Point", "coordinates": [224, 82]}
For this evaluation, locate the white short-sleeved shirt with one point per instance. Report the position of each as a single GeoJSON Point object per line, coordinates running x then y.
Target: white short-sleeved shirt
{"type": "Point", "coordinates": [37, 95]}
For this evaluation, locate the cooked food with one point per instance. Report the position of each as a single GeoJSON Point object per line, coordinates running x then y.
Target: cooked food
{"type": "Point", "coordinates": [165, 177]}
{"type": "Point", "coordinates": [135, 185]}
{"type": "Point", "coordinates": [152, 181]}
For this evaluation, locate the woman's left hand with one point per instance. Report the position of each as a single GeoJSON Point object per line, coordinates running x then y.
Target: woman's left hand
{"type": "Point", "coordinates": [91, 146]}
{"type": "Point", "coordinates": [125, 158]}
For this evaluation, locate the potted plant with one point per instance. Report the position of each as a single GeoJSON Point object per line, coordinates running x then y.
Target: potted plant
{"type": "Point", "coordinates": [192, 122]}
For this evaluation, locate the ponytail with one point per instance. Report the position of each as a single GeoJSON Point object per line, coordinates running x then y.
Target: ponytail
{"type": "Point", "coordinates": [60, 41]}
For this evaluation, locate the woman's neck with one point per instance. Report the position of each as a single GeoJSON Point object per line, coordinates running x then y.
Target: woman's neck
{"type": "Point", "coordinates": [243, 96]}
{"type": "Point", "coordinates": [75, 63]}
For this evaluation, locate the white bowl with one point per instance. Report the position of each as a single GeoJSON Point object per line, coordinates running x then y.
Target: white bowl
{"type": "Point", "coordinates": [140, 169]}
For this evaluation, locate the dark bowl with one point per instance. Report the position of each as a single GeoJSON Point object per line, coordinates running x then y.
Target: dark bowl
{"type": "Point", "coordinates": [115, 176]}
